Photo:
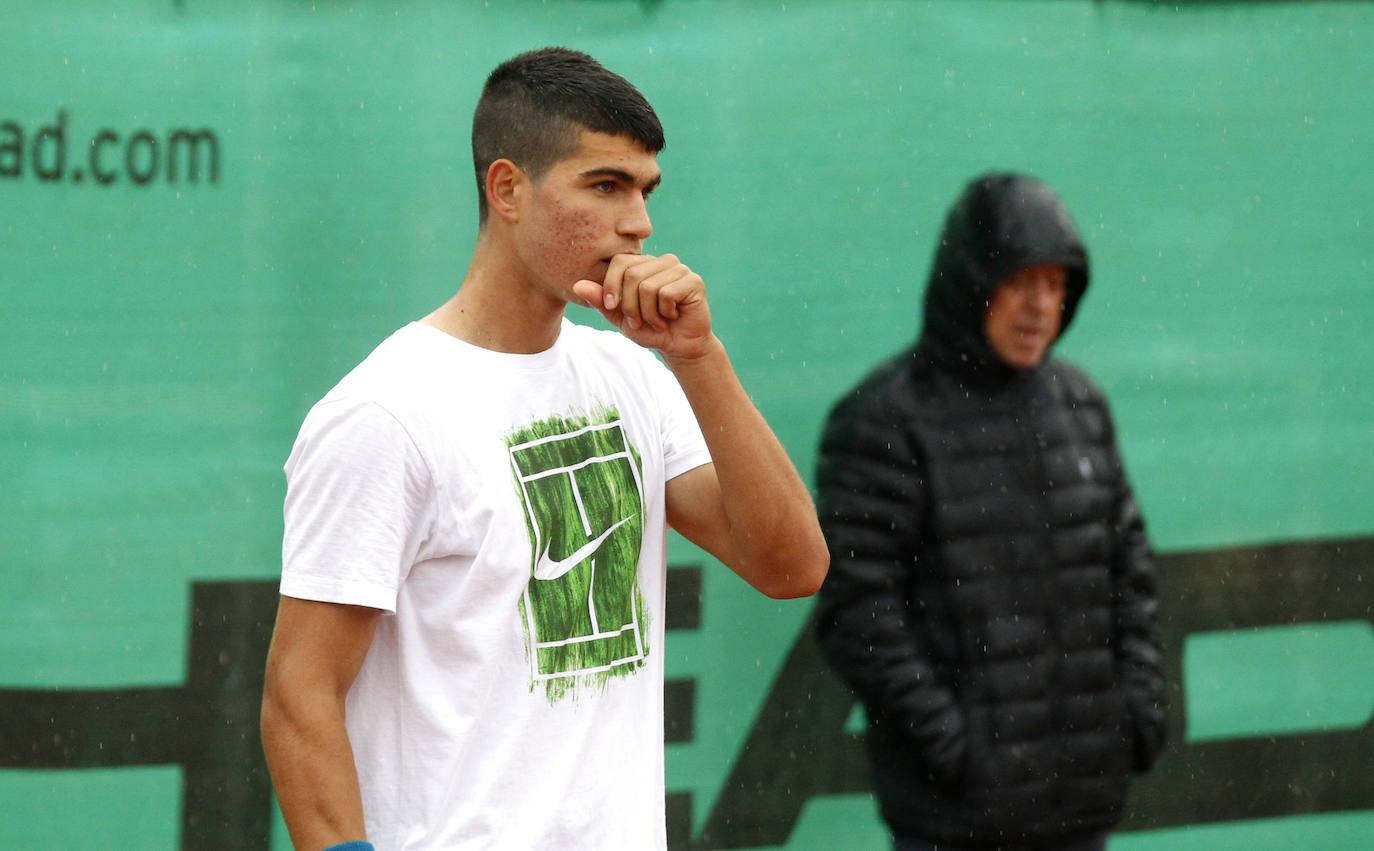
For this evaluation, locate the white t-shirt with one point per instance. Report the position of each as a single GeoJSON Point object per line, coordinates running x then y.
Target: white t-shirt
{"type": "Point", "coordinates": [509, 510]}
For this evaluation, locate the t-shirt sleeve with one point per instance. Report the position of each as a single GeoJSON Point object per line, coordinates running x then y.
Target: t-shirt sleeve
{"type": "Point", "coordinates": [684, 448]}
{"type": "Point", "coordinates": [356, 509]}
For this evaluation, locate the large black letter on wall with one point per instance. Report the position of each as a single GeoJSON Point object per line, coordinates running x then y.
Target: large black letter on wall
{"type": "Point", "coordinates": [1266, 776]}
{"type": "Point", "coordinates": [798, 747]}
{"type": "Point", "coordinates": [209, 726]}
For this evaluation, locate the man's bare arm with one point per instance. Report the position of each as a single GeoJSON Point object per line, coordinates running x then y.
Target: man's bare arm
{"type": "Point", "coordinates": [750, 507]}
{"type": "Point", "coordinates": [317, 650]}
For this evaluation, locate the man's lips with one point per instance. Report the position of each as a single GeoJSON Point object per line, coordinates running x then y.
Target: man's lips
{"type": "Point", "coordinates": [605, 262]}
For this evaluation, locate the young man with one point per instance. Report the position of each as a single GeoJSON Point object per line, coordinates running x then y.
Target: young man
{"type": "Point", "coordinates": [469, 647]}
{"type": "Point", "coordinates": [992, 595]}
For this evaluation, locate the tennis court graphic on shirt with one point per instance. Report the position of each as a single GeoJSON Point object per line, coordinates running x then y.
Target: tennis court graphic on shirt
{"type": "Point", "coordinates": [582, 610]}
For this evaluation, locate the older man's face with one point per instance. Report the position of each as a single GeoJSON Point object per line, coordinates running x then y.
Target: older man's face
{"type": "Point", "coordinates": [1025, 314]}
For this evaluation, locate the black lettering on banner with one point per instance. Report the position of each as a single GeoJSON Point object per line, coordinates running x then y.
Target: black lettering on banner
{"type": "Point", "coordinates": [680, 695]}
{"type": "Point", "coordinates": [103, 138]}
{"type": "Point", "coordinates": [56, 134]}
{"type": "Point", "coordinates": [188, 153]}
{"type": "Point", "coordinates": [191, 142]}
{"type": "Point", "coordinates": [209, 726]}
{"type": "Point", "coordinates": [11, 149]}
{"type": "Point", "coordinates": [141, 140]}
{"type": "Point", "coordinates": [797, 749]}
{"type": "Point", "coordinates": [1273, 775]}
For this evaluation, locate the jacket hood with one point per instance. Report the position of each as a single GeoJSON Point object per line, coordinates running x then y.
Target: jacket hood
{"type": "Point", "coordinates": [1000, 223]}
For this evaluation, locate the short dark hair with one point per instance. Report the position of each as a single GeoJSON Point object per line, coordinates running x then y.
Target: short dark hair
{"type": "Point", "coordinates": [533, 107]}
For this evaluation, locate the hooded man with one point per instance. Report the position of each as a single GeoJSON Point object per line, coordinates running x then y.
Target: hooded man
{"type": "Point", "coordinates": [991, 596]}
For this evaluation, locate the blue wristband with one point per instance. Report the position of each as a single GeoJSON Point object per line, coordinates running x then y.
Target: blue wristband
{"type": "Point", "coordinates": [355, 845]}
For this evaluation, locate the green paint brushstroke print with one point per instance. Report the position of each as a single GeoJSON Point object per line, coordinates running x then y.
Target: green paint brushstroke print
{"type": "Point", "coordinates": [581, 483]}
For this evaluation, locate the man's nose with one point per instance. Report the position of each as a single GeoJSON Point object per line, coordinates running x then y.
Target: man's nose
{"type": "Point", "coordinates": [1044, 293]}
{"type": "Point", "coordinates": [634, 220]}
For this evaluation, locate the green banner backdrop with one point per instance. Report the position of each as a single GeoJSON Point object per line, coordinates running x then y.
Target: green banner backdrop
{"type": "Point", "coordinates": [210, 210]}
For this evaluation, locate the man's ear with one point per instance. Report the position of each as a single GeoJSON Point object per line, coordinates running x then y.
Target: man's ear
{"type": "Point", "coordinates": [506, 183]}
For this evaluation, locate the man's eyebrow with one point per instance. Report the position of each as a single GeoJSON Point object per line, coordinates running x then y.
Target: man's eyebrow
{"type": "Point", "coordinates": [621, 175]}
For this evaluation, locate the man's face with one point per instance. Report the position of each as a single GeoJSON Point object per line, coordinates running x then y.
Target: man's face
{"type": "Point", "coordinates": [587, 208]}
{"type": "Point", "coordinates": [1024, 314]}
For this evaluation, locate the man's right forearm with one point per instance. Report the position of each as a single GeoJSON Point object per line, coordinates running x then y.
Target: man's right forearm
{"type": "Point", "coordinates": [774, 536]}
{"type": "Point", "coordinates": [317, 650]}
{"type": "Point", "coordinates": [311, 762]}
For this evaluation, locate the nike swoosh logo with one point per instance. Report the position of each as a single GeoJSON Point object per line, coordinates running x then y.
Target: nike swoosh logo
{"type": "Point", "coordinates": [547, 568]}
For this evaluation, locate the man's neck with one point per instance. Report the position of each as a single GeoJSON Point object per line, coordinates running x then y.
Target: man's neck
{"type": "Point", "coordinates": [498, 308]}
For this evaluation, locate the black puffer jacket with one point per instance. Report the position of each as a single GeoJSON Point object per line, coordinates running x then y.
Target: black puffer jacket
{"type": "Point", "coordinates": [990, 597]}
